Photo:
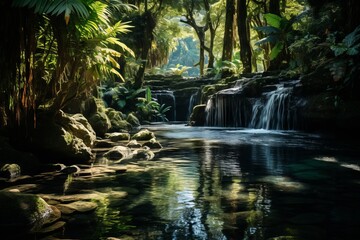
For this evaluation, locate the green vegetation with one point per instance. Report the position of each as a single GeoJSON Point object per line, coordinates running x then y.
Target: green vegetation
{"type": "Point", "coordinates": [58, 51]}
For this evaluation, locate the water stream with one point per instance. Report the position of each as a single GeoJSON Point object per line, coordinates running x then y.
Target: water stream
{"type": "Point", "coordinates": [228, 183]}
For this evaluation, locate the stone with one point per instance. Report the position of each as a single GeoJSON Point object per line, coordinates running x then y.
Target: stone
{"type": "Point", "coordinates": [23, 212]}
{"type": "Point", "coordinates": [197, 117]}
{"type": "Point", "coordinates": [152, 144]}
{"type": "Point", "coordinates": [71, 169]}
{"type": "Point", "coordinates": [100, 122]}
{"type": "Point", "coordinates": [134, 144]}
{"type": "Point", "coordinates": [143, 135]}
{"type": "Point", "coordinates": [118, 153]}
{"type": "Point", "coordinates": [52, 228]}
{"type": "Point", "coordinates": [118, 136]}
{"type": "Point", "coordinates": [10, 171]}
{"type": "Point", "coordinates": [78, 206]}
{"type": "Point", "coordinates": [133, 120]}
{"type": "Point", "coordinates": [144, 154]}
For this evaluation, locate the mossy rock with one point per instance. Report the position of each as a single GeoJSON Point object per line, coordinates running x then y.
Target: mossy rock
{"type": "Point", "coordinates": [118, 153]}
{"type": "Point", "coordinates": [116, 136]}
{"type": "Point", "coordinates": [143, 135]}
{"type": "Point", "coordinates": [152, 144]}
{"type": "Point", "coordinates": [133, 120]}
{"type": "Point", "coordinates": [197, 117]}
{"type": "Point", "coordinates": [100, 123]}
{"type": "Point", "coordinates": [24, 213]}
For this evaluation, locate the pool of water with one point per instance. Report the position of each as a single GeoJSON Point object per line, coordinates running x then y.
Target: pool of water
{"type": "Point", "coordinates": [217, 183]}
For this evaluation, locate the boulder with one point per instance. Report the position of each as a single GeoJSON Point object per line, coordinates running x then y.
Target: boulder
{"type": "Point", "coordinates": [78, 126]}
{"type": "Point", "coordinates": [143, 135]}
{"type": "Point", "coordinates": [59, 139]}
{"type": "Point", "coordinates": [100, 123]}
{"type": "Point", "coordinates": [118, 153]}
{"type": "Point", "coordinates": [24, 213]}
{"type": "Point", "coordinates": [116, 136]}
{"type": "Point", "coordinates": [152, 144]}
{"type": "Point", "coordinates": [10, 171]}
{"type": "Point", "coordinates": [197, 117]}
{"type": "Point", "coordinates": [133, 120]}
{"type": "Point", "coordinates": [118, 124]}
{"type": "Point", "coordinates": [144, 154]}
{"type": "Point", "coordinates": [134, 144]}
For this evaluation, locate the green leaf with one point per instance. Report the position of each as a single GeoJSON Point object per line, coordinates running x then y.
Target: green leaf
{"type": "Point", "coordinates": [148, 95]}
{"type": "Point", "coordinates": [273, 20]}
{"type": "Point", "coordinates": [268, 29]}
{"type": "Point", "coordinates": [276, 50]}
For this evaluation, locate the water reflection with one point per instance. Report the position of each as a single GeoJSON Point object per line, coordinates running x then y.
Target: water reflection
{"type": "Point", "coordinates": [238, 184]}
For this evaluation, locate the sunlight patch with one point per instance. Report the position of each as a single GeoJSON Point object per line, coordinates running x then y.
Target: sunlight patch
{"type": "Point", "coordinates": [284, 183]}
{"type": "Point", "coordinates": [326, 159]}
{"type": "Point", "coordinates": [352, 166]}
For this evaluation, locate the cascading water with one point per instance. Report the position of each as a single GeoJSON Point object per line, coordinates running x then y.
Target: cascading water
{"type": "Point", "coordinates": [273, 110]}
{"type": "Point", "coordinates": [167, 98]}
{"type": "Point", "coordinates": [228, 108]}
{"type": "Point", "coordinates": [194, 100]}
{"type": "Point", "coordinates": [276, 112]}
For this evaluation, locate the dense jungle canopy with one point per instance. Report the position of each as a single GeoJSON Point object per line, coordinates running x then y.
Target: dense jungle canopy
{"type": "Point", "coordinates": [53, 51]}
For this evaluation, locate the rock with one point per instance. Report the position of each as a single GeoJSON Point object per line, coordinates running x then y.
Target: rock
{"type": "Point", "coordinates": [79, 206]}
{"type": "Point", "coordinates": [118, 153]}
{"type": "Point", "coordinates": [143, 135]}
{"type": "Point", "coordinates": [197, 117]}
{"type": "Point", "coordinates": [103, 144]}
{"type": "Point", "coordinates": [152, 144]}
{"type": "Point", "coordinates": [23, 213]}
{"type": "Point", "coordinates": [118, 124]}
{"type": "Point", "coordinates": [144, 154]}
{"type": "Point", "coordinates": [133, 120]}
{"type": "Point", "coordinates": [21, 188]}
{"type": "Point", "coordinates": [10, 171]}
{"type": "Point", "coordinates": [54, 216]}
{"type": "Point", "coordinates": [117, 136]}
{"type": "Point", "coordinates": [71, 169]}
{"type": "Point", "coordinates": [134, 144]}
{"type": "Point", "coordinates": [52, 228]}
{"type": "Point", "coordinates": [100, 123]}
{"type": "Point", "coordinates": [81, 119]}
{"type": "Point", "coordinates": [54, 139]}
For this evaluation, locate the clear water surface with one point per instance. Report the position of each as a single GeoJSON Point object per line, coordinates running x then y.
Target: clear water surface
{"type": "Point", "coordinates": [221, 183]}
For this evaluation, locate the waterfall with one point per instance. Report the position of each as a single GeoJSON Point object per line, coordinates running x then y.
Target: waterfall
{"type": "Point", "coordinates": [227, 108]}
{"type": "Point", "coordinates": [194, 100]}
{"type": "Point", "coordinates": [273, 110]}
{"type": "Point", "coordinates": [167, 98]}
{"type": "Point", "coordinates": [275, 113]}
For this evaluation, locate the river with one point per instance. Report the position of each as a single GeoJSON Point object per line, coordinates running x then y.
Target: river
{"type": "Point", "coordinates": [227, 183]}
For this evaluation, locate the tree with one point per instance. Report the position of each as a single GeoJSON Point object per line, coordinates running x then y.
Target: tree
{"type": "Point", "coordinates": [244, 35]}
{"type": "Point", "coordinates": [228, 32]}
{"type": "Point", "coordinates": [58, 51]}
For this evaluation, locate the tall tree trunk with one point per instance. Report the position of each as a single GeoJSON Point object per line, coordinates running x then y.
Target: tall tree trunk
{"type": "Point", "coordinates": [245, 50]}
{"type": "Point", "coordinates": [228, 32]}
{"type": "Point", "coordinates": [352, 10]}
{"type": "Point", "coordinates": [212, 34]}
{"type": "Point", "coordinates": [274, 7]}
{"type": "Point", "coordinates": [149, 22]}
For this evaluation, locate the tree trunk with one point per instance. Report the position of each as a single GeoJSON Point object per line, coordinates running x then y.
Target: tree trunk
{"type": "Point", "coordinates": [212, 35]}
{"type": "Point", "coordinates": [228, 32]}
{"type": "Point", "coordinates": [149, 22]}
{"type": "Point", "coordinates": [352, 10]}
{"type": "Point", "coordinates": [274, 7]}
{"type": "Point", "coordinates": [245, 50]}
